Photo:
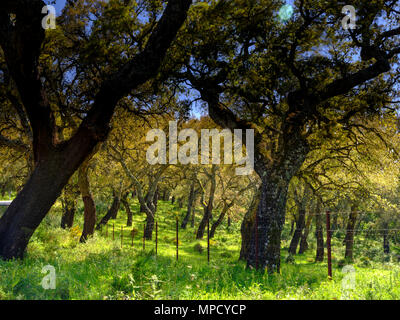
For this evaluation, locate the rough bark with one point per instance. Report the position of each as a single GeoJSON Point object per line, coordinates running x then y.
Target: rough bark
{"type": "Point", "coordinates": [247, 227]}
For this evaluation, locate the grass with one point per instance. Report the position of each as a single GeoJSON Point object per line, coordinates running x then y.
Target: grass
{"type": "Point", "coordinates": [102, 269]}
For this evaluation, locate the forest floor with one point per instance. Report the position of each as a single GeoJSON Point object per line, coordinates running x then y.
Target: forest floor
{"type": "Point", "coordinates": [102, 269]}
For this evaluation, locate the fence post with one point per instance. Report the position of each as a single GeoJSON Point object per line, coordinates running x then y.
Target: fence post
{"type": "Point", "coordinates": [144, 239]}
{"type": "Point", "coordinates": [208, 239]}
{"type": "Point", "coordinates": [177, 240]}
{"type": "Point", "coordinates": [156, 236]}
{"type": "Point", "coordinates": [328, 243]}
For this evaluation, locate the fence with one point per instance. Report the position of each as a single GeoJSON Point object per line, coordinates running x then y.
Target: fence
{"type": "Point", "coordinates": [329, 232]}
{"type": "Point", "coordinates": [156, 237]}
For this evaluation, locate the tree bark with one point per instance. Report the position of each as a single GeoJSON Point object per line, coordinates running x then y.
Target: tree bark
{"type": "Point", "coordinates": [67, 219]}
{"type": "Point", "coordinates": [69, 206]}
{"type": "Point", "coordinates": [89, 214]}
{"type": "Point", "coordinates": [125, 202]}
{"type": "Point", "coordinates": [209, 206]}
{"type": "Point", "coordinates": [111, 213]}
{"type": "Point", "coordinates": [190, 204]}
{"type": "Point", "coordinates": [300, 224]}
{"type": "Point", "coordinates": [247, 227]}
{"type": "Point", "coordinates": [221, 217]}
{"type": "Point", "coordinates": [349, 239]}
{"type": "Point", "coordinates": [386, 244]}
{"type": "Point", "coordinates": [303, 241]}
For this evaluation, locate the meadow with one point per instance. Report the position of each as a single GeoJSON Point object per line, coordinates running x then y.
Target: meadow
{"type": "Point", "coordinates": [103, 269]}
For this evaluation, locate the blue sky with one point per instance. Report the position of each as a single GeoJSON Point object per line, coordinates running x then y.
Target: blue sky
{"type": "Point", "coordinates": [59, 6]}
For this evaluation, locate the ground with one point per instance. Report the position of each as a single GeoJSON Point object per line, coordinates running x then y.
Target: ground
{"type": "Point", "coordinates": [102, 269]}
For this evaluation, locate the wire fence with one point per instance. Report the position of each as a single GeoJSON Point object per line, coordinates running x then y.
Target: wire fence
{"type": "Point", "coordinates": [327, 244]}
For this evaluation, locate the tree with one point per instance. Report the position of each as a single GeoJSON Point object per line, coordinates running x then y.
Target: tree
{"type": "Point", "coordinates": [270, 77]}
{"type": "Point", "coordinates": [21, 39]}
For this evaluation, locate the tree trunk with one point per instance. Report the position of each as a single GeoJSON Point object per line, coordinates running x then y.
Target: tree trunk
{"type": "Point", "coordinates": [207, 216]}
{"type": "Point", "coordinates": [291, 227]}
{"type": "Point", "coordinates": [203, 222]}
{"type": "Point", "coordinates": [221, 217]}
{"type": "Point", "coordinates": [349, 239]}
{"type": "Point", "coordinates": [36, 198]}
{"type": "Point", "coordinates": [319, 234]}
{"type": "Point", "coordinates": [173, 200]}
{"type": "Point", "coordinates": [190, 205]}
{"type": "Point", "coordinates": [298, 231]}
{"type": "Point", "coordinates": [271, 218]}
{"type": "Point", "coordinates": [69, 206]}
{"type": "Point", "coordinates": [386, 244]}
{"type": "Point", "coordinates": [112, 212]}
{"type": "Point", "coordinates": [180, 203]}
{"type": "Point", "coordinates": [193, 217]}
{"type": "Point", "coordinates": [303, 241]}
{"type": "Point", "coordinates": [247, 227]}
{"type": "Point", "coordinates": [67, 219]}
{"type": "Point", "coordinates": [125, 202]}
{"type": "Point", "coordinates": [89, 214]}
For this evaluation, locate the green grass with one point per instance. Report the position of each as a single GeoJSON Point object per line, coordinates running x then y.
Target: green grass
{"type": "Point", "coordinates": [102, 269]}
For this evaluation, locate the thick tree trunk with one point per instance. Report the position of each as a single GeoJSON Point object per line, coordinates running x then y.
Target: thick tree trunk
{"type": "Point", "coordinates": [303, 241]}
{"type": "Point", "coordinates": [319, 235]}
{"type": "Point", "coordinates": [36, 198]}
{"type": "Point", "coordinates": [349, 239]}
{"type": "Point", "coordinates": [300, 224]}
{"type": "Point", "coordinates": [111, 213]}
{"type": "Point", "coordinates": [247, 226]}
{"type": "Point", "coordinates": [270, 220]}
{"type": "Point", "coordinates": [89, 214]}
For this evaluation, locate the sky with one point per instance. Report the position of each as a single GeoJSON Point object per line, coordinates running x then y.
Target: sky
{"type": "Point", "coordinates": [59, 6]}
